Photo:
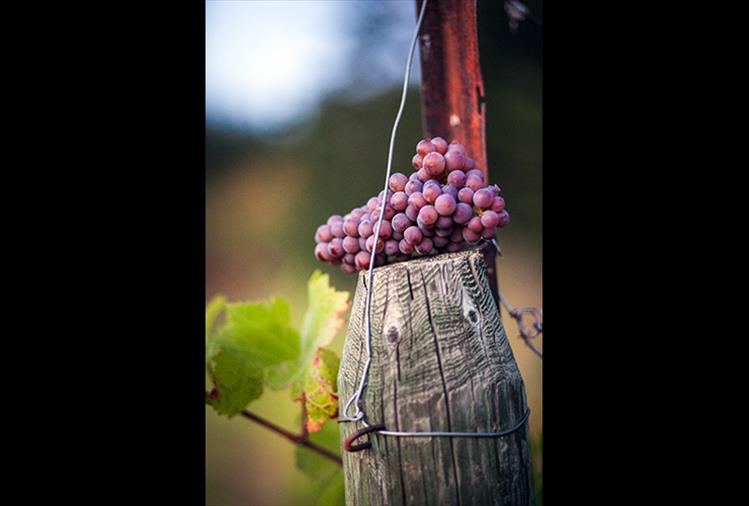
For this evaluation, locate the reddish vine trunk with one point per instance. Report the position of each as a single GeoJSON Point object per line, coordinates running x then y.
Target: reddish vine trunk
{"type": "Point", "coordinates": [452, 89]}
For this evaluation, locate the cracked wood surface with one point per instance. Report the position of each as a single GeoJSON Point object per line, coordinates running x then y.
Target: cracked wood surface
{"type": "Point", "coordinates": [441, 361]}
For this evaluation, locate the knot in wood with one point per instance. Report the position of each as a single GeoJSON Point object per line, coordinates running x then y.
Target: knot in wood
{"type": "Point", "coordinates": [472, 316]}
{"type": "Point", "coordinates": [392, 334]}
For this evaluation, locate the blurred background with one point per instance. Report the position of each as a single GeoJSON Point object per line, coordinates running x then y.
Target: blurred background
{"type": "Point", "coordinates": [300, 100]}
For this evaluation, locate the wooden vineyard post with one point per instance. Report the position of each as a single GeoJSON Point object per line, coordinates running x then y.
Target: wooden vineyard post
{"type": "Point", "coordinates": [441, 361]}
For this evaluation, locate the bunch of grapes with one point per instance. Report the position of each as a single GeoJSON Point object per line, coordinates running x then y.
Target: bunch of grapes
{"type": "Point", "coordinates": [445, 205]}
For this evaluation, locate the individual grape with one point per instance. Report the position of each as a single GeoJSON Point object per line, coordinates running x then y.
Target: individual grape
{"type": "Point", "coordinates": [454, 161]}
{"type": "Point", "coordinates": [351, 227]}
{"type": "Point", "coordinates": [400, 222]}
{"type": "Point", "coordinates": [383, 194]}
{"type": "Point", "coordinates": [424, 175]}
{"type": "Point", "coordinates": [414, 176]}
{"type": "Point", "coordinates": [350, 244]}
{"type": "Point", "coordinates": [417, 200]}
{"type": "Point", "coordinates": [335, 248]}
{"type": "Point", "coordinates": [337, 229]}
{"type": "Point", "coordinates": [456, 147]}
{"type": "Point", "coordinates": [321, 252]}
{"type": "Point", "coordinates": [444, 222]}
{"type": "Point", "coordinates": [348, 258]}
{"type": "Point", "coordinates": [457, 178]}
{"type": "Point", "coordinates": [417, 161]}
{"type": "Point", "coordinates": [412, 212]}
{"type": "Point", "coordinates": [489, 219]}
{"type": "Point", "coordinates": [431, 192]}
{"type": "Point", "coordinates": [425, 246]}
{"type": "Point", "coordinates": [380, 244]}
{"type": "Point", "coordinates": [494, 189]}
{"type": "Point", "coordinates": [385, 229]}
{"type": "Point", "coordinates": [435, 164]}
{"type": "Point", "coordinates": [470, 236]}
{"type": "Point", "coordinates": [483, 198]}
{"type": "Point", "coordinates": [398, 182]}
{"type": "Point", "coordinates": [489, 233]}
{"type": "Point", "coordinates": [348, 268]}
{"type": "Point", "coordinates": [440, 242]}
{"type": "Point", "coordinates": [413, 186]}
{"type": "Point", "coordinates": [405, 247]}
{"type": "Point", "coordinates": [426, 230]}
{"type": "Point", "coordinates": [323, 234]}
{"type": "Point", "coordinates": [425, 147]}
{"type": "Point", "coordinates": [474, 182]}
{"type": "Point", "coordinates": [457, 235]}
{"type": "Point", "coordinates": [504, 218]}
{"type": "Point", "coordinates": [389, 213]}
{"type": "Point", "coordinates": [365, 229]}
{"type": "Point", "coordinates": [450, 190]}
{"type": "Point", "coordinates": [498, 204]}
{"type": "Point", "coordinates": [412, 236]}
{"type": "Point", "coordinates": [399, 201]}
{"type": "Point", "coordinates": [440, 144]}
{"type": "Point", "coordinates": [469, 163]}
{"type": "Point", "coordinates": [362, 260]}
{"type": "Point", "coordinates": [362, 244]}
{"type": "Point", "coordinates": [454, 246]}
{"type": "Point", "coordinates": [334, 219]}
{"type": "Point", "coordinates": [391, 247]}
{"type": "Point", "coordinates": [475, 172]}
{"type": "Point", "coordinates": [357, 213]}
{"type": "Point", "coordinates": [428, 215]}
{"type": "Point", "coordinates": [372, 204]}
{"type": "Point", "coordinates": [465, 195]}
{"type": "Point", "coordinates": [463, 213]}
{"type": "Point", "coordinates": [474, 224]}
{"type": "Point", "coordinates": [445, 204]}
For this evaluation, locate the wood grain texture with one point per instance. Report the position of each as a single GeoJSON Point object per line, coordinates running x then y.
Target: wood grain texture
{"type": "Point", "coordinates": [441, 361]}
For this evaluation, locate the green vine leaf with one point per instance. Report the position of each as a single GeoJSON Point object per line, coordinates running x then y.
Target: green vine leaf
{"type": "Point", "coordinates": [255, 337]}
{"type": "Point", "coordinates": [257, 346]}
{"type": "Point", "coordinates": [323, 318]}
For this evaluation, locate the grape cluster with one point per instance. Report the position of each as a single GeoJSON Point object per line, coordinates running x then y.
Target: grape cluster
{"type": "Point", "coordinates": [445, 205]}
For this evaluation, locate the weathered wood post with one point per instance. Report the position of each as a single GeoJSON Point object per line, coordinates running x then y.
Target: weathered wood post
{"type": "Point", "coordinates": [441, 361]}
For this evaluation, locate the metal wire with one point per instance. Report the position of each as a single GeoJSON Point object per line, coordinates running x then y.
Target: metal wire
{"type": "Point", "coordinates": [517, 314]}
{"type": "Point", "coordinates": [356, 398]}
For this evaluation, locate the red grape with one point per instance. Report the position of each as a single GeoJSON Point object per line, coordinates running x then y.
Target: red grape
{"type": "Point", "coordinates": [445, 204]}
{"type": "Point", "coordinates": [440, 144]}
{"type": "Point", "coordinates": [398, 182]}
{"type": "Point", "coordinates": [424, 147]}
{"type": "Point", "coordinates": [435, 164]}
{"type": "Point", "coordinates": [412, 235]}
{"type": "Point", "coordinates": [428, 214]}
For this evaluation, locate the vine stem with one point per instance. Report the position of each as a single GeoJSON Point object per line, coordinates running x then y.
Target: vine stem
{"type": "Point", "coordinates": [294, 438]}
